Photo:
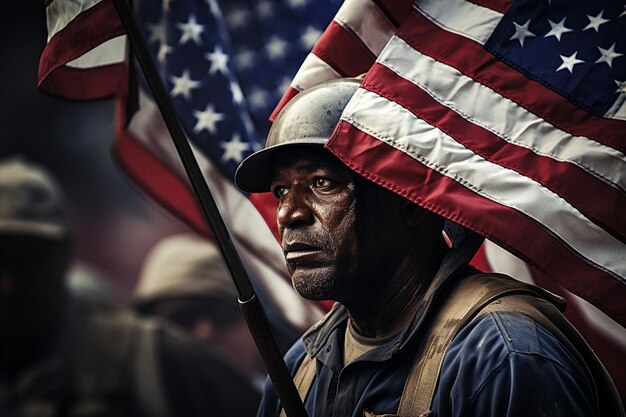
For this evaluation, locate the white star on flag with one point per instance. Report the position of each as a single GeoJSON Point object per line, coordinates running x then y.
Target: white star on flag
{"type": "Point", "coordinates": [218, 60]}
{"type": "Point", "coordinates": [257, 98]}
{"type": "Point", "coordinates": [265, 9]}
{"type": "Point", "coordinates": [276, 48]}
{"type": "Point", "coordinates": [191, 30]}
{"type": "Point", "coordinates": [238, 18]}
{"type": "Point", "coordinates": [183, 85]}
{"type": "Point", "coordinates": [608, 55]}
{"type": "Point", "coordinates": [557, 29]}
{"type": "Point", "coordinates": [234, 149]}
{"type": "Point", "coordinates": [244, 59]}
{"type": "Point", "coordinates": [596, 21]}
{"type": "Point", "coordinates": [309, 37]}
{"type": "Point", "coordinates": [623, 13]}
{"type": "Point", "coordinates": [621, 87]}
{"type": "Point", "coordinates": [207, 119]}
{"type": "Point", "coordinates": [297, 3]}
{"type": "Point", "coordinates": [157, 32]}
{"type": "Point", "coordinates": [522, 32]}
{"type": "Point", "coordinates": [569, 62]}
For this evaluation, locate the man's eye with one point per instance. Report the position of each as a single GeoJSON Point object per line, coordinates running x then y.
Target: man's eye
{"type": "Point", "coordinates": [279, 191]}
{"type": "Point", "coordinates": [323, 183]}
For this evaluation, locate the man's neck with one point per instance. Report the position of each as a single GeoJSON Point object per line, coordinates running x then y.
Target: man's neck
{"type": "Point", "coordinates": [392, 307]}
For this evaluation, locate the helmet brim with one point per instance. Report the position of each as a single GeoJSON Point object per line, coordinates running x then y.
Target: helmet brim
{"type": "Point", "coordinates": [254, 174]}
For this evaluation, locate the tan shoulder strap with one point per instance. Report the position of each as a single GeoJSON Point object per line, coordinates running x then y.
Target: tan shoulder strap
{"type": "Point", "coordinates": [303, 379]}
{"type": "Point", "coordinates": [483, 293]}
{"type": "Point", "coordinates": [458, 307]}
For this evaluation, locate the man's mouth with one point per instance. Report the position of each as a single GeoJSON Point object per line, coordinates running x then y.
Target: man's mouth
{"type": "Point", "coordinates": [298, 250]}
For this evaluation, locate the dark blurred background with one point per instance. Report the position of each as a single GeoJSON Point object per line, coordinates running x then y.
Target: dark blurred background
{"type": "Point", "coordinates": [115, 223]}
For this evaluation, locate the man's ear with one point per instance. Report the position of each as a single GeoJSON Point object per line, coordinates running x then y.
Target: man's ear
{"type": "Point", "coordinates": [412, 214]}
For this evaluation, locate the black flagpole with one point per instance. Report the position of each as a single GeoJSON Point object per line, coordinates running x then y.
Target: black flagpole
{"type": "Point", "coordinates": [250, 305]}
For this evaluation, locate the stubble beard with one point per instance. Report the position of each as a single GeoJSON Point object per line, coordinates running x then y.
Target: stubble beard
{"type": "Point", "coordinates": [315, 284]}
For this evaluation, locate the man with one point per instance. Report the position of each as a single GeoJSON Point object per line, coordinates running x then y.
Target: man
{"type": "Point", "coordinates": [59, 357]}
{"type": "Point", "coordinates": [184, 279]}
{"type": "Point", "coordinates": [416, 330]}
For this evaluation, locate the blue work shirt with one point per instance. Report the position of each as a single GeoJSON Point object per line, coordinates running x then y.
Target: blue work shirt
{"type": "Point", "coordinates": [502, 365]}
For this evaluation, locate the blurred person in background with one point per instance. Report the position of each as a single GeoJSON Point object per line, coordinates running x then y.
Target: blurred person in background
{"type": "Point", "coordinates": [62, 357]}
{"type": "Point", "coordinates": [91, 286]}
{"type": "Point", "coordinates": [184, 279]}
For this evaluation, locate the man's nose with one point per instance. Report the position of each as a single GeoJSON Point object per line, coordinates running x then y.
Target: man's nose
{"type": "Point", "coordinates": [294, 209]}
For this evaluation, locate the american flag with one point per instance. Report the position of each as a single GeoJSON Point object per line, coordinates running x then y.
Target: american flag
{"type": "Point", "coordinates": [225, 69]}
{"type": "Point", "coordinates": [506, 117]}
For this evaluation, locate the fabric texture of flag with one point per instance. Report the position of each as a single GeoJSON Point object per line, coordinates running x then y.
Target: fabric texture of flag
{"type": "Point", "coordinates": [508, 117]}
{"type": "Point", "coordinates": [225, 69]}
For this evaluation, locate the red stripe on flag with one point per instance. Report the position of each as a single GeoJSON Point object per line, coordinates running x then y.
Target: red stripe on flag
{"type": "Point", "coordinates": [479, 261]}
{"type": "Point", "coordinates": [78, 38]}
{"type": "Point", "coordinates": [86, 84]}
{"type": "Point", "coordinates": [343, 51]}
{"type": "Point", "coordinates": [395, 10]}
{"type": "Point", "coordinates": [500, 6]}
{"type": "Point", "coordinates": [146, 171]}
{"type": "Point", "coordinates": [403, 175]}
{"type": "Point", "coordinates": [267, 205]}
{"type": "Point", "coordinates": [542, 169]}
{"type": "Point", "coordinates": [474, 61]}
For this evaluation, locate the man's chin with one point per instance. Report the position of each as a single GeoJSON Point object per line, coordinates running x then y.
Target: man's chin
{"type": "Point", "coordinates": [314, 284]}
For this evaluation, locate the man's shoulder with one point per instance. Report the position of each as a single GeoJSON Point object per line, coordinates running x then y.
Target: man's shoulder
{"type": "Point", "coordinates": [513, 318]}
{"type": "Point", "coordinates": [505, 333]}
{"type": "Point", "coordinates": [509, 358]}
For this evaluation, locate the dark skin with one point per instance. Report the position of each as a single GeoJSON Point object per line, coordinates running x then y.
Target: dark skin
{"type": "Point", "coordinates": [349, 240]}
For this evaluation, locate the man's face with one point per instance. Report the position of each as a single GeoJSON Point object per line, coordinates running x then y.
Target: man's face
{"type": "Point", "coordinates": [325, 223]}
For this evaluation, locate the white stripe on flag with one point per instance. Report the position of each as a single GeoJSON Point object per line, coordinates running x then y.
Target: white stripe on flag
{"type": "Point", "coordinates": [60, 13]}
{"type": "Point", "coordinates": [313, 71]}
{"type": "Point", "coordinates": [241, 217]}
{"type": "Point", "coordinates": [461, 17]}
{"type": "Point", "coordinates": [365, 19]}
{"type": "Point", "coordinates": [478, 23]}
{"type": "Point", "coordinates": [430, 146]}
{"type": "Point", "coordinates": [502, 116]}
{"type": "Point", "coordinates": [112, 51]}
